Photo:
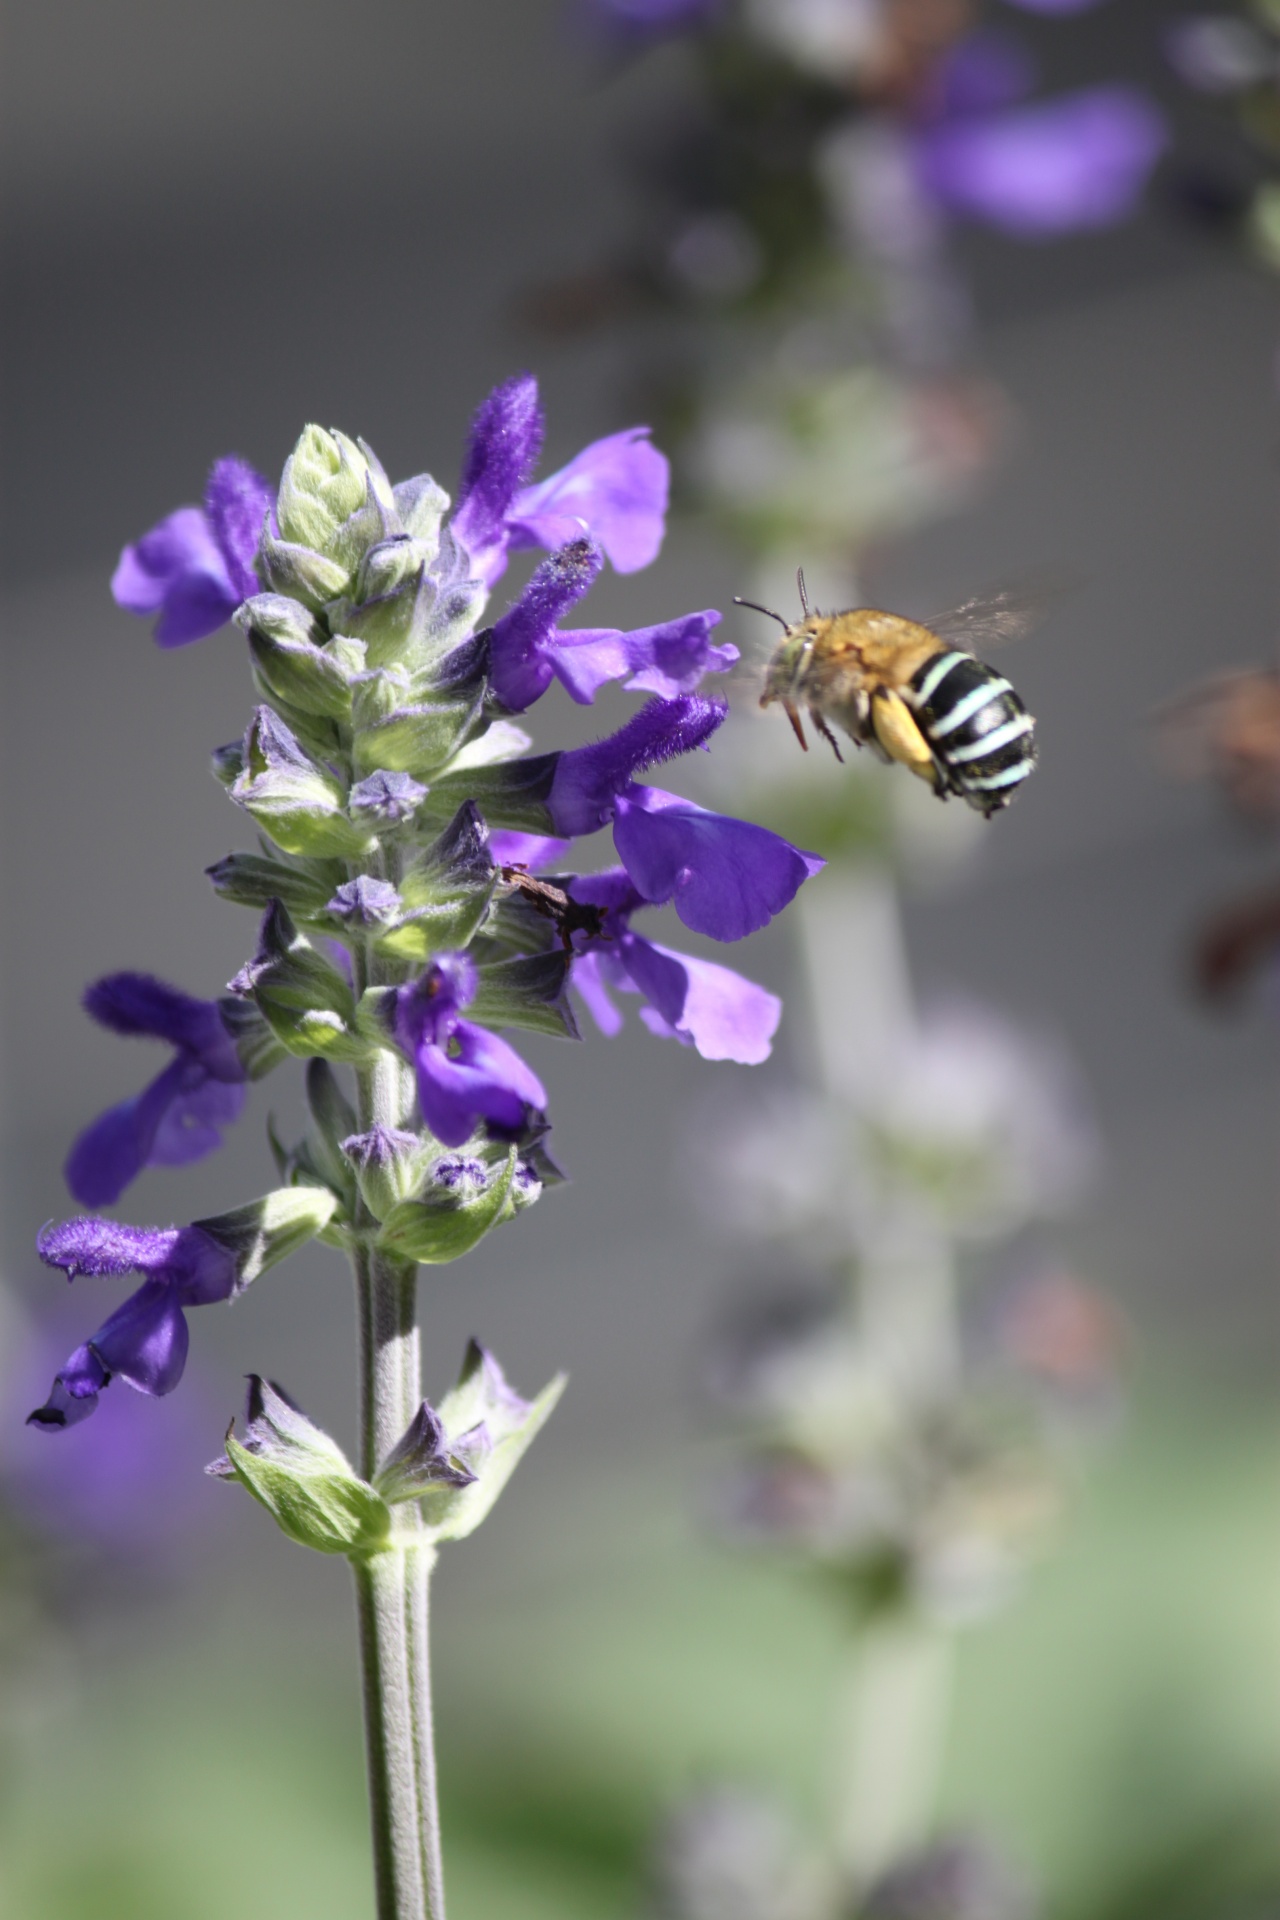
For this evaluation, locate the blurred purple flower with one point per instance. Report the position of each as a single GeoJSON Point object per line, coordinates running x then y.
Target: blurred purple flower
{"type": "Point", "coordinates": [465, 1074]}
{"type": "Point", "coordinates": [1078, 161]}
{"type": "Point", "coordinates": [696, 1002]}
{"type": "Point", "coordinates": [145, 1340]}
{"type": "Point", "coordinates": [197, 565]}
{"type": "Point", "coordinates": [725, 877]}
{"type": "Point", "coordinates": [1053, 6]}
{"type": "Point", "coordinates": [615, 490]}
{"type": "Point", "coordinates": [178, 1117]}
{"type": "Point", "coordinates": [650, 17]}
{"type": "Point", "coordinates": [527, 648]}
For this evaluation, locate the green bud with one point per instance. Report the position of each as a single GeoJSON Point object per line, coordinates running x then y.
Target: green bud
{"type": "Point", "coordinates": [294, 659]}
{"type": "Point", "coordinates": [254, 880]}
{"type": "Point", "coordinates": [513, 795]}
{"type": "Point", "coordinates": [422, 505]}
{"type": "Point", "coordinates": [301, 572]}
{"type": "Point", "coordinates": [303, 1478]}
{"type": "Point", "coordinates": [326, 479]}
{"type": "Point", "coordinates": [419, 739]}
{"type": "Point", "coordinates": [424, 1459]}
{"type": "Point", "coordinates": [527, 991]}
{"type": "Point", "coordinates": [483, 1403]}
{"type": "Point", "coordinates": [446, 891]}
{"type": "Point", "coordinates": [389, 1165]}
{"type": "Point", "coordinates": [449, 1221]}
{"type": "Point", "coordinates": [270, 1229]}
{"type": "Point", "coordinates": [305, 1000]}
{"type": "Point", "coordinates": [292, 797]}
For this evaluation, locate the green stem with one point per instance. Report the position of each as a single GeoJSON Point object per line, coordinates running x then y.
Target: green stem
{"type": "Point", "coordinates": [891, 1737]}
{"type": "Point", "coordinates": [392, 1587]}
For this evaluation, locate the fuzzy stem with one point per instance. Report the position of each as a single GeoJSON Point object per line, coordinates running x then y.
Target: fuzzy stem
{"type": "Point", "coordinates": [392, 1587]}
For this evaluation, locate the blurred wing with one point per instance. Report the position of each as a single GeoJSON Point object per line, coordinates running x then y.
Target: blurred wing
{"type": "Point", "coordinates": [995, 619]}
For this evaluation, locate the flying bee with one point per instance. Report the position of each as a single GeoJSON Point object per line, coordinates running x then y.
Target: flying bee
{"type": "Point", "coordinates": [911, 693]}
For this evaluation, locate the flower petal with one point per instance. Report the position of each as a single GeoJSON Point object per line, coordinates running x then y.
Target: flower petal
{"type": "Point", "coordinates": [532, 850]}
{"type": "Point", "coordinates": [506, 438]}
{"type": "Point", "coordinates": [708, 1006]}
{"type": "Point", "coordinates": [1079, 161]}
{"type": "Point", "coordinates": [138, 1003]}
{"type": "Point", "coordinates": [75, 1391]}
{"type": "Point", "coordinates": [112, 1151]}
{"type": "Point", "coordinates": [588, 979]}
{"type": "Point", "coordinates": [177, 570]}
{"type": "Point", "coordinates": [237, 501]}
{"type": "Point", "coordinates": [87, 1245]}
{"type": "Point", "coordinates": [484, 1079]}
{"type": "Point", "coordinates": [588, 779]}
{"type": "Point", "coordinates": [520, 661]}
{"type": "Point", "coordinates": [726, 877]}
{"type": "Point", "coordinates": [616, 488]}
{"type": "Point", "coordinates": [145, 1341]}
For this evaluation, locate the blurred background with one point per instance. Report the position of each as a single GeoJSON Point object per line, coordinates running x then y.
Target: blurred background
{"type": "Point", "coordinates": [221, 222]}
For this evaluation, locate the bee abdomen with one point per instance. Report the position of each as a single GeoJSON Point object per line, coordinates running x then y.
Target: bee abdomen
{"type": "Point", "coordinates": [977, 726]}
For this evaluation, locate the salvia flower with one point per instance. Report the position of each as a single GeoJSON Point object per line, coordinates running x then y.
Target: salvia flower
{"type": "Point", "coordinates": [528, 648]}
{"type": "Point", "coordinates": [725, 877]}
{"type": "Point", "coordinates": [697, 1002]}
{"type": "Point", "coordinates": [145, 1340]}
{"type": "Point", "coordinates": [196, 566]}
{"type": "Point", "coordinates": [615, 490]}
{"type": "Point", "coordinates": [465, 1074]}
{"type": "Point", "coordinates": [180, 1115]}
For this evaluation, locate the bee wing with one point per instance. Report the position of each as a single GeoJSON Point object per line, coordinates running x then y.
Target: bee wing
{"type": "Point", "coordinates": [995, 619]}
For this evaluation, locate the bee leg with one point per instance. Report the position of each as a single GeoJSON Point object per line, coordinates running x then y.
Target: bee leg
{"type": "Point", "coordinates": [796, 726]}
{"type": "Point", "coordinates": [820, 726]}
{"type": "Point", "coordinates": [897, 733]}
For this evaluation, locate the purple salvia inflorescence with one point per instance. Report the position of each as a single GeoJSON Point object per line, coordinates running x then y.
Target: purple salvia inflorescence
{"type": "Point", "coordinates": [394, 927]}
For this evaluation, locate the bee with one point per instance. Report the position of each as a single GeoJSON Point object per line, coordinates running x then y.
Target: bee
{"type": "Point", "coordinates": [911, 693]}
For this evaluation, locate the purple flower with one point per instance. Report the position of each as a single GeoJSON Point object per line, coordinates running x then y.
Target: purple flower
{"type": "Point", "coordinates": [694, 1001]}
{"type": "Point", "coordinates": [1048, 168]}
{"type": "Point", "coordinates": [196, 566]}
{"type": "Point", "coordinates": [647, 18]}
{"type": "Point", "coordinates": [527, 647]}
{"type": "Point", "coordinates": [506, 439]}
{"type": "Point", "coordinates": [465, 1074]}
{"type": "Point", "coordinates": [532, 850]}
{"type": "Point", "coordinates": [145, 1340]}
{"type": "Point", "coordinates": [178, 1117]}
{"type": "Point", "coordinates": [615, 490]}
{"type": "Point", "coordinates": [725, 877]}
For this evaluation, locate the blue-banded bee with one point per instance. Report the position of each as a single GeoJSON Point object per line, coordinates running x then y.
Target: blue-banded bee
{"type": "Point", "coordinates": [912, 693]}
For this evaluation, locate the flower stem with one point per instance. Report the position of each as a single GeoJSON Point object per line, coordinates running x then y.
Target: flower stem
{"type": "Point", "coordinates": [392, 1586]}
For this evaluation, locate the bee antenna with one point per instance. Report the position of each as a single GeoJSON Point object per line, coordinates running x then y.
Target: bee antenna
{"type": "Point", "coordinates": [755, 607]}
{"type": "Point", "coordinates": [804, 598]}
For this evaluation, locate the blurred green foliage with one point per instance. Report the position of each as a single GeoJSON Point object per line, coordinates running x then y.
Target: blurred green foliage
{"type": "Point", "coordinates": [1117, 1728]}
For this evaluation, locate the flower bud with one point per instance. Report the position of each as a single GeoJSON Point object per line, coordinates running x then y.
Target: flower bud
{"type": "Point", "coordinates": [291, 796]}
{"type": "Point", "coordinates": [482, 1400]}
{"type": "Point", "coordinates": [445, 894]}
{"type": "Point", "coordinates": [302, 1477]}
{"type": "Point", "coordinates": [270, 1229]}
{"type": "Point", "coordinates": [294, 659]}
{"type": "Point", "coordinates": [389, 1166]}
{"type": "Point", "coordinates": [253, 880]}
{"type": "Point", "coordinates": [419, 738]}
{"type": "Point", "coordinates": [451, 1218]}
{"type": "Point", "coordinates": [326, 479]}
{"type": "Point", "coordinates": [300, 572]}
{"type": "Point", "coordinates": [307, 1003]}
{"type": "Point", "coordinates": [422, 505]}
{"type": "Point", "coordinates": [424, 1459]}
